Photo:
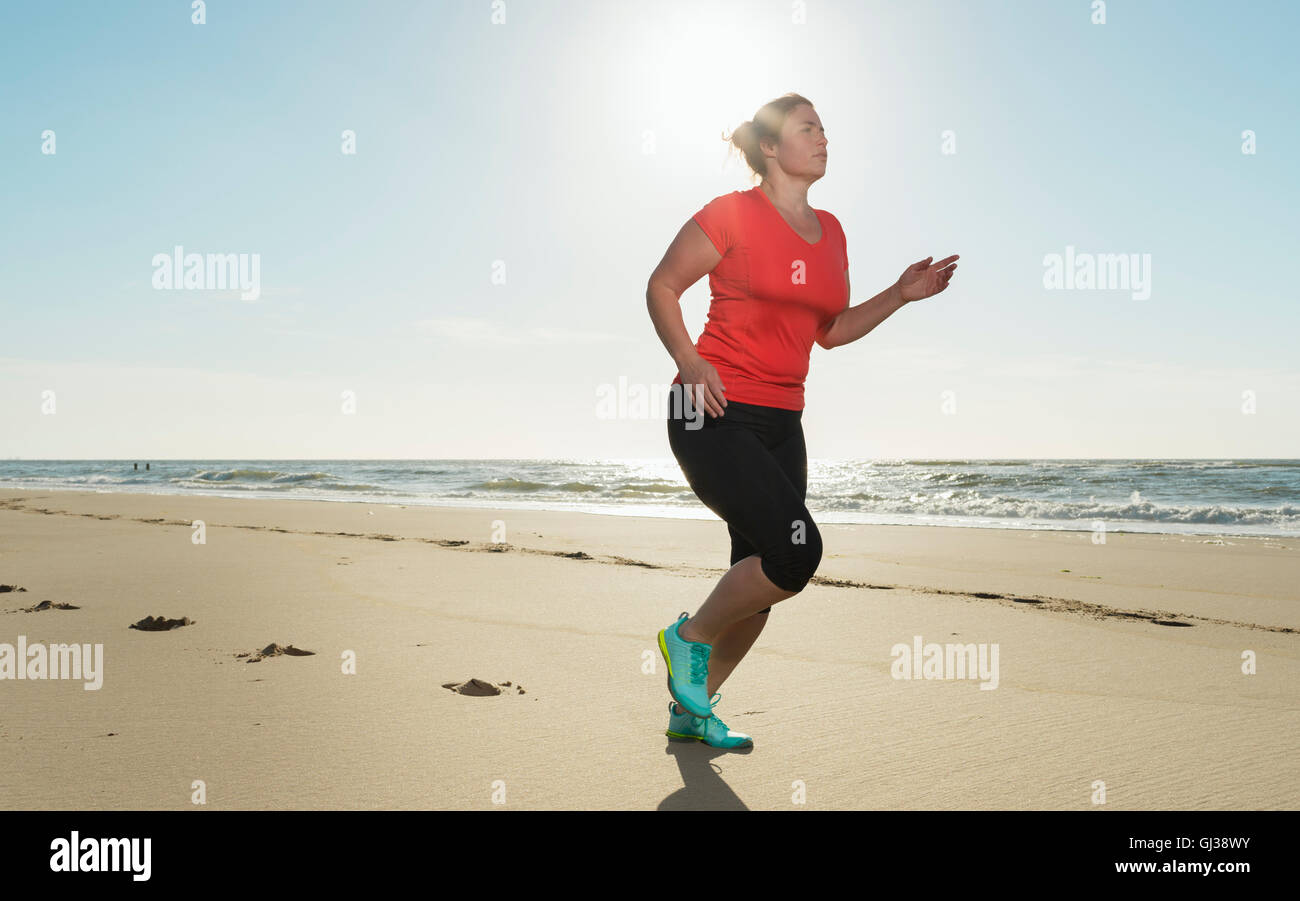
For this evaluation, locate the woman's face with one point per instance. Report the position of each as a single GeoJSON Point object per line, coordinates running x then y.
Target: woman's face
{"type": "Point", "coordinates": [803, 144]}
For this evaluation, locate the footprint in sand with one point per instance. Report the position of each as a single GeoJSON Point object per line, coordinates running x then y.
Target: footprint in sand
{"type": "Point", "coordinates": [480, 688]}
{"type": "Point", "coordinates": [275, 650]}
{"type": "Point", "coordinates": [160, 623]}
{"type": "Point", "coordinates": [50, 605]}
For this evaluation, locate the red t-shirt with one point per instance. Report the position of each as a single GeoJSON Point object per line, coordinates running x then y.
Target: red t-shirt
{"type": "Point", "coordinates": [772, 293]}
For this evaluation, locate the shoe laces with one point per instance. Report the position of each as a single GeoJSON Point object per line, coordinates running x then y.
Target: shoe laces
{"type": "Point", "coordinates": [699, 662]}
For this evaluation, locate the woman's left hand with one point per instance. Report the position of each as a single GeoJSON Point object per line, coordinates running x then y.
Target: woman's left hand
{"type": "Point", "coordinates": [923, 279]}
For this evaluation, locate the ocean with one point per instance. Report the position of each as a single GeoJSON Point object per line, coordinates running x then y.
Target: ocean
{"type": "Point", "coordinates": [1195, 497]}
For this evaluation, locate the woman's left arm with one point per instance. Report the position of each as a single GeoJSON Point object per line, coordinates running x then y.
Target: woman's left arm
{"type": "Point", "coordinates": [918, 281]}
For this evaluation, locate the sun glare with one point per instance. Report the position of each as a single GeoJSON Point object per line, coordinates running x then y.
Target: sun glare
{"type": "Point", "coordinates": [706, 72]}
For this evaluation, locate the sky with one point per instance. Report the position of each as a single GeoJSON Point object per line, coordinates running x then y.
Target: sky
{"type": "Point", "coordinates": [471, 279]}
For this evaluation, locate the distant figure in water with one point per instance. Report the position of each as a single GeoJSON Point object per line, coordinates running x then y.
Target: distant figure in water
{"type": "Point", "coordinates": [146, 466]}
{"type": "Point", "coordinates": [135, 466]}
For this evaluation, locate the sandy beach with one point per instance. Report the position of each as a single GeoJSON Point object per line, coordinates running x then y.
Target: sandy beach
{"type": "Point", "coordinates": [1118, 663]}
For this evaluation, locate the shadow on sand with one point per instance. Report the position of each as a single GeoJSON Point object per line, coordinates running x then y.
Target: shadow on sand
{"type": "Point", "coordinates": [703, 787]}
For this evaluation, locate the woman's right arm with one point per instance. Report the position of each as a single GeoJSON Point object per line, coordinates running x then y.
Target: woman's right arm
{"type": "Point", "coordinates": [690, 257]}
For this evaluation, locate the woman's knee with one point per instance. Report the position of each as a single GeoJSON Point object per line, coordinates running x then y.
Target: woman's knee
{"type": "Point", "coordinates": [811, 556]}
{"type": "Point", "coordinates": [792, 566]}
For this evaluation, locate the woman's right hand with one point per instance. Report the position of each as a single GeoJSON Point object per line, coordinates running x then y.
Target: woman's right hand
{"type": "Point", "coordinates": [702, 380]}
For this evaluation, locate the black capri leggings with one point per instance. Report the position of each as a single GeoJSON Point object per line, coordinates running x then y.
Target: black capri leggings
{"type": "Point", "coordinates": [750, 467]}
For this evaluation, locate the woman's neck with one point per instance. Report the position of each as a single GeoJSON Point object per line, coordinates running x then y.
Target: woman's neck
{"type": "Point", "coordinates": [791, 196]}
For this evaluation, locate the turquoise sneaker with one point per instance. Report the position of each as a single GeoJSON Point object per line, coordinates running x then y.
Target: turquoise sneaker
{"type": "Point", "coordinates": [712, 731]}
{"type": "Point", "coordinates": [688, 669]}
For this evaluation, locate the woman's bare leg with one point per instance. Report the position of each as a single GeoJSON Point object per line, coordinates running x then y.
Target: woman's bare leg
{"type": "Point", "coordinates": [742, 591]}
{"type": "Point", "coordinates": [731, 646]}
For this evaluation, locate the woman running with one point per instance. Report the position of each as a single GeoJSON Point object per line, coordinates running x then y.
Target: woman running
{"type": "Point", "coordinates": [778, 272]}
